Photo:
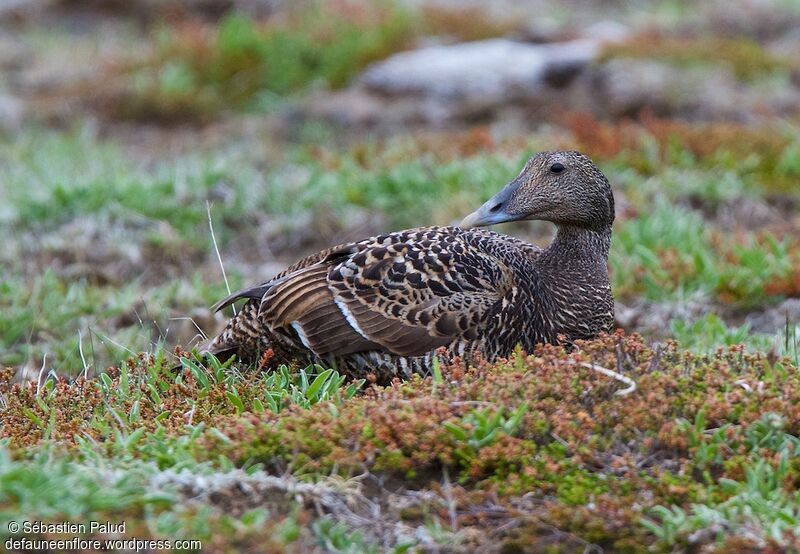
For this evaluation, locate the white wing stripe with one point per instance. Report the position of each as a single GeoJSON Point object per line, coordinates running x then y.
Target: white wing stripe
{"type": "Point", "coordinates": [348, 315]}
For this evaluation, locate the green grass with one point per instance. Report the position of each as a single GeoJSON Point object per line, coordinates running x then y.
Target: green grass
{"type": "Point", "coordinates": [40, 314]}
{"type": "Point", "coordinates": [146, 424]}
{"type": "Point", "coordinates": [481, 428]}
{"type": "Point", "coordinates": [670, 252]}
{"type": "Point", "coordinates": [59, 317]}
{"type": "Point", "coordinates": [53, 178]}
{"type": "Point", "coordinates": [758, 504]}
{"type": "Point", "coordinates": [126, 462]}
{"type": "Point", "coordinates": [86, 205]}
{"type": "Point", "coordinates": [500, 431]}
{"type": "Point", "coordinates": [108, 260]}
{"type": "Point", "coordinates": [51, 486]}
{"type": "Point", "coordinates": [710, 332]}
{"type": "Point", "coordinates": [197, 71]}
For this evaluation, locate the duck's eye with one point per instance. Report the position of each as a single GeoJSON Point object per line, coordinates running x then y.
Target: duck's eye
{"type": "Point", "coordinates": [557, 167]}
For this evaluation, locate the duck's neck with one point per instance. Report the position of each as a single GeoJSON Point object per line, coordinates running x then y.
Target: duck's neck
{"type": "Point", "coordinates": [579, 247]}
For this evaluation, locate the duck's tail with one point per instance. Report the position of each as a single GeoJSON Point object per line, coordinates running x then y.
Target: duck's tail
{"type": "Point", "coordinates": [240, 337]}
{"type": "Point", "coordinates": [221, 351]}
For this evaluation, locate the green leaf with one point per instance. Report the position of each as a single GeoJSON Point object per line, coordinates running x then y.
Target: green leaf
{"type": "Point", "coordinates": [313, 392]}
{"type": "Point", "coordinates": [458, 432]}
{"type": "Point", "coordinates": [198, 372]}
{"type": "Point", "coordinates": [233, 398]}
{"type": "Point", "coordinates": [134, 437]}
{"type": "Point", "coordinates": [107, 382]}
{"type": "Point", "coordinates": [258, 406]}
{"type": "Point", "coordinates": [30, 414]}
{"type": "Point", "coordinates": [134, 414]}
{"type": "Point", "coordinates": [51, 425]}
{"type": "Point", "coordinates": [437, 374]}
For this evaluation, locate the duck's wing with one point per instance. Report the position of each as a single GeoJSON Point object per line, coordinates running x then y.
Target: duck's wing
{"type": "Point", "coordinates": [258, 291]}
{"type": "Point", "coordinates": [406, 293]}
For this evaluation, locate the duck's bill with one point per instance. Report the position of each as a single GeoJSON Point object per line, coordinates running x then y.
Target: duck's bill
{"type": "Point", "coordinates": [494, 210]}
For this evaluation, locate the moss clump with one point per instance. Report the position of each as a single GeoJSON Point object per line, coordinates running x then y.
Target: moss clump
{"type": "Point", "coordinates": [145, 394]}
{"type": "Point", "coordinates": [602, 454]}
{"type": "Point", "coordinates": [198, 70]}
{"type": "Point", "coordinates": [769, 151]}
{"type": "Point", "coordinates": [540, 439]}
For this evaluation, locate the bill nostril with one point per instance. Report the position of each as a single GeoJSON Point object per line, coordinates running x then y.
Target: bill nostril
{"type": "Point", "coordinates": [496, 208]}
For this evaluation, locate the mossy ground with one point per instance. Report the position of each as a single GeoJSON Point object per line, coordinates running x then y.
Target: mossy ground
{"type": "Point", "coordinates": [580, 466]}
{"type": "Point", "coordinates": [165, 121]}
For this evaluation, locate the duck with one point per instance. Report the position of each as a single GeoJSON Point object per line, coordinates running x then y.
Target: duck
{"type": "Point", "coordinates": [393, 305]}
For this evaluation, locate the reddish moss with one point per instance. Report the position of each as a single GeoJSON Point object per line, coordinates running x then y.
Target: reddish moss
{"type": "Point", "coordinates": [595, 461]}
{"type": "Point", "coordinates": [707, 142]}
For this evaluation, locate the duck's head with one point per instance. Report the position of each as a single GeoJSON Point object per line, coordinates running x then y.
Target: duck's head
{"type": "Point", "coordinates": [562, 187]}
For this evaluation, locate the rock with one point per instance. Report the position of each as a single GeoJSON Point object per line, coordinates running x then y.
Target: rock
{"type": "Point", "coordinates": [774, 319]}
{"type": "Point", "coordinates": [481, 74]}
{"type": "Point", "coordinates": [623, 87]}
{"type": "Point", "coordinates": [498, 79]}
{"type": "Point", "coordinates": [607, 30]}
{"type": "Point", "coordinates": [652, 319]}
{"type": "Point", "coordinates": [13, 10]}
{"type": "Point", "coordinates": [757, 19]}
{"type": "Point", "coordinates": [482, 68]}
{"type": "Point", "coordinates": [12, 113]}
{"type": "Point", "coordinates": [626, 86]}
{"type": "Point", "coordinates": [747, 213]}
{"type": "Point", "coordinates": [14, 54]}
{"type": "Point", "coordinates": [541, 30]}
{"type": "Point", "coordinates": [787, 46]}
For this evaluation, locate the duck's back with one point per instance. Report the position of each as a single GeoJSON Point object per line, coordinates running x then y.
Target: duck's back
{"type": "Point", "coordinates": [386, 303]}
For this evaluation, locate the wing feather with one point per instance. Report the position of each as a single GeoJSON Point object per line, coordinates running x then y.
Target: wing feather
{"type": "Point", "coordinates": [405, 293]}
{"type": "Point", "coordinates": [418, 293]}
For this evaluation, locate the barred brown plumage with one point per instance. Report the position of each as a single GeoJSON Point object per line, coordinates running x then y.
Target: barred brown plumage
{"type": "Point", "coordinates": [384, 305]}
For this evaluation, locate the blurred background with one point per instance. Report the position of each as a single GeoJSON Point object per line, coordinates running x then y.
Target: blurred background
{"type": "Point", "coordinates": [130, 128]}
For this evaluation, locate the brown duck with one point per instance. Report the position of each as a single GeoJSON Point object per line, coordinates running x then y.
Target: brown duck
{"type": "Point", "coordinates": [386, 304]}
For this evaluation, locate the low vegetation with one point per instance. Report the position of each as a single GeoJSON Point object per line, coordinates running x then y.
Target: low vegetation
{"type": "Point", "coordinates": [704, 451]}
{"type": "Point", "coordinates": [171, 140]}
{"type": "Point", "coordinates": [198, 69]}
{"type": "Point", "coordinates": [747, 59]}
{"type": "Point", "coordinates": [665, 246]}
